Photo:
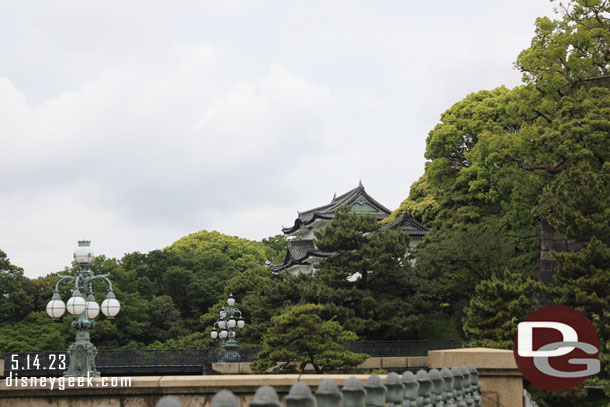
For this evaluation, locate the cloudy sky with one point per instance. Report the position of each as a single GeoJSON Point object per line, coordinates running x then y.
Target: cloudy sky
{"type": "Point", "coordinates": [135, 123]}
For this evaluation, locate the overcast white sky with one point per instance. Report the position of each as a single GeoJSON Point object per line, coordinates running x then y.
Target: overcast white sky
{"type": "Point", "coordinates": [133, 123]}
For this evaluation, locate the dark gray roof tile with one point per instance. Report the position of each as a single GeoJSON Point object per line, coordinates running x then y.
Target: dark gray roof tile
{"type": "Point", "coordinates": [414, 228]}
{"type": "Point", "coordinates": [328, 211]}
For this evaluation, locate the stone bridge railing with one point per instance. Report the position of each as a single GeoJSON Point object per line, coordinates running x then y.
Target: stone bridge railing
{"type": "Point", "coordinates": [501, 384]}
{"type": "Point", "coordinates": [455, 387]}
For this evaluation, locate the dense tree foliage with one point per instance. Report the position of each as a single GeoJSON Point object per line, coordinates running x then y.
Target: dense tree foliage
{"type": "Point", "coordinates": [302, 336]}
{"type": "Point", "coordinates": [481, 207]}
{"type": "Point", "coordinates": [367, 282]}
{"type": "Point", "coordinates": [365, 285]}
{"type": "Point", "coordinates": [16, 300]}
{"type": "Point", "coordinates": [500, 161]}
{"type": "Point", "coordinates": [163, 293]}
{"type": "Point", "coordinates": [498, 305]}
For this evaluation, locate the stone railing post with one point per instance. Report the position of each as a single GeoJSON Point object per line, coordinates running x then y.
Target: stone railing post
{"type": "Point", "coordinates": [300, 396]}
{"type": "Point", "coordinates": [224, 398]}
{"type": "Point", "coordinates": [353, 393]}
{"type": "Point", "coordinates": [425, 385]}
{"type": "Point", "coordinates": [466, 386]}
{"type": "Point", "coordinates": [448, 384]}
{"type": "Point", "coordinates": [475, 386]}
{"type": "Point", "coordinates": [395, 390]}
{"type": "Point", "coordinates": [328, 394]}
{"type": "Point", "coordinates": [457, 387]}
{"type": "Point", "coordinates": [375, 392]}
{"type": "Point", "coordinates": [265, 396]}
{"type": "Point", "coordinates": [437, 388]}
{"type": "Point", "coordinates": [411, 388]}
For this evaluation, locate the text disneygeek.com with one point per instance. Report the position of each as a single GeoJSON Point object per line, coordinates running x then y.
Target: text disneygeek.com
{"type": "Point", "coordinates": [61, 383]}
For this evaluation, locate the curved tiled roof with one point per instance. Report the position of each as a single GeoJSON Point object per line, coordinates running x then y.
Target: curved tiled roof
{"type": "Point", "coordinates": [327, 212]}
{"type": "Point", "coordinates": [297, 251]}
{"type": "Point", "coordinates": [414, 227]}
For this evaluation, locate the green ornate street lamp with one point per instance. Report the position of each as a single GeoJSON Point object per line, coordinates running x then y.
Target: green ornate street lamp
{"type": "Point", "coordinates": [225, 328]}
{"type": "Point", "coordinates": [84, 308]}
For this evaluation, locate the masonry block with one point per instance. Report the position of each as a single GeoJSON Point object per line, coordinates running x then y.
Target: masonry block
{"type": "Point", "coordinates": [396, 362]}
{"type": "Point", "coordinates": [417, 361]}
{"type": "Point", "coordinates": [226, 368]}
{"type": "Point", "coordinates": [371, 363]}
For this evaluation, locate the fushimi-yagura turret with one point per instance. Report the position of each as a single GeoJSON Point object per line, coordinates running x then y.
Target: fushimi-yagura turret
{"type": "Point", "coordinates": [302, 256]}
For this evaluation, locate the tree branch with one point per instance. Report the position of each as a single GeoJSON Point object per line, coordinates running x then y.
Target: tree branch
{"type": "Point", "coordinates": [532, 167]}
{"type": "Point", "coordinates": [596, 78]}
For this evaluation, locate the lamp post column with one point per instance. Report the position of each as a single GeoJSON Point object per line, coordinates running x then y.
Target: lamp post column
{"type": "Point", "coordinates": [225, 328]}
{"type": "Point", "coordinates": [84, 308]}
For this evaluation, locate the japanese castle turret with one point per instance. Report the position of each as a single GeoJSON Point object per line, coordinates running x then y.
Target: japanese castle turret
{"type": "Point", "coordinates": [302, 256]}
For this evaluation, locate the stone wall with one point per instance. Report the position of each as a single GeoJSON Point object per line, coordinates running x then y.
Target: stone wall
{"type": "Point", "coordinates": [550, 239]}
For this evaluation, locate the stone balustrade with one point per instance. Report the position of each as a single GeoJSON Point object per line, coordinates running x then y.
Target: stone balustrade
{"type": "Point", "coordinates": [496, 381]}
{"type": "Point", "coordinates": [455, 387]}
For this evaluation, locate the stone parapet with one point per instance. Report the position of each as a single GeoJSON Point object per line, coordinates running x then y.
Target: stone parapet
{"type": "Point", "coordinates": [500, 383]}
{"type": "Point", "coordinates": [500, 378]}
{"type": "Point", "coordinates": [386, 362]}
{"type": "Point", "coordinates": [147, 390]}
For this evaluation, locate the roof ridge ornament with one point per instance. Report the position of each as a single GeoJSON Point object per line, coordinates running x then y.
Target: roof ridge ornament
{"type": "Point", "coordinates": [360, 183]}
{"type": "Point", "coordinates": [334, 197]}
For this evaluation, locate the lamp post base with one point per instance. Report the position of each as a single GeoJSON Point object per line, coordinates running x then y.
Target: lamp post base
{"type": "Point", "coordinates": [229, 352]}
{"type": "Point", "coordinates": [82, 355]}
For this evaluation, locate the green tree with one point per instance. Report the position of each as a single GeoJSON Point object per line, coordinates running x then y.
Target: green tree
{"type": "Point", "coordinates": [277, 246]}
{"type": "Point", "coordinates": [583, 282]}
{"type": "Point", "coordinates": [479, 205]}
{"type": "Point", "coordinates": [300, 336]}
{"type": "Point", "coordinates": [367, 282]}
{"type": "Point", "coordinates": [15, 301]}
{"type": "Point", "coordinates": [36, 332]}
{"type": "Point", "coordinates": [165, 321]}
{"type": "Point", "coordinates": [260, 295]}
{"type": "Point", "coordinates": [567, 69]}
{"type": "Point", "coordinates": [498, 305]}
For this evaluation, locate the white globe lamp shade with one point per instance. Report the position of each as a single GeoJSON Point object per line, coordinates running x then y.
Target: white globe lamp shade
{"type": "Point", "coordinates": [56, 308]}
{"type": "Point", "coordinates": [232, 323]}
{"type": "Point", "coordinates": [241, 323]}
{"type": "Point", "coordinates": [214, 334]}
{"type": "Point", "coordinates": [223, 334]}
{"type": "Point", "coordinates": [222, 324]}
{"type": "Point", "coordinates": [83, 253]}
{"type": "Point", "coordinates": [76, 305]}
{"type": "Point", "coordinates": [223, 314]}
{"type": "Point", "coordinates": [231, 301]}
{"type": "Point", "coordinates": [93, 309]}
{"type": "Point", "coordinates": [111, 307]}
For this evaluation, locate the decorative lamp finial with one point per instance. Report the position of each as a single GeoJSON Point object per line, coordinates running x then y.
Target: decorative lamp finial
{"type": "Point", "coordinates": [83, 253]}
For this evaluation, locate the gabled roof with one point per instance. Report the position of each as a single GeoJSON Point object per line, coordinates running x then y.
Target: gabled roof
{"type": "Point", "coordinates": [356, 195]}
{"type": "Point", "coordinates": [297, 251]}
{"type": "Point", "coordinates": [410, 225]}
